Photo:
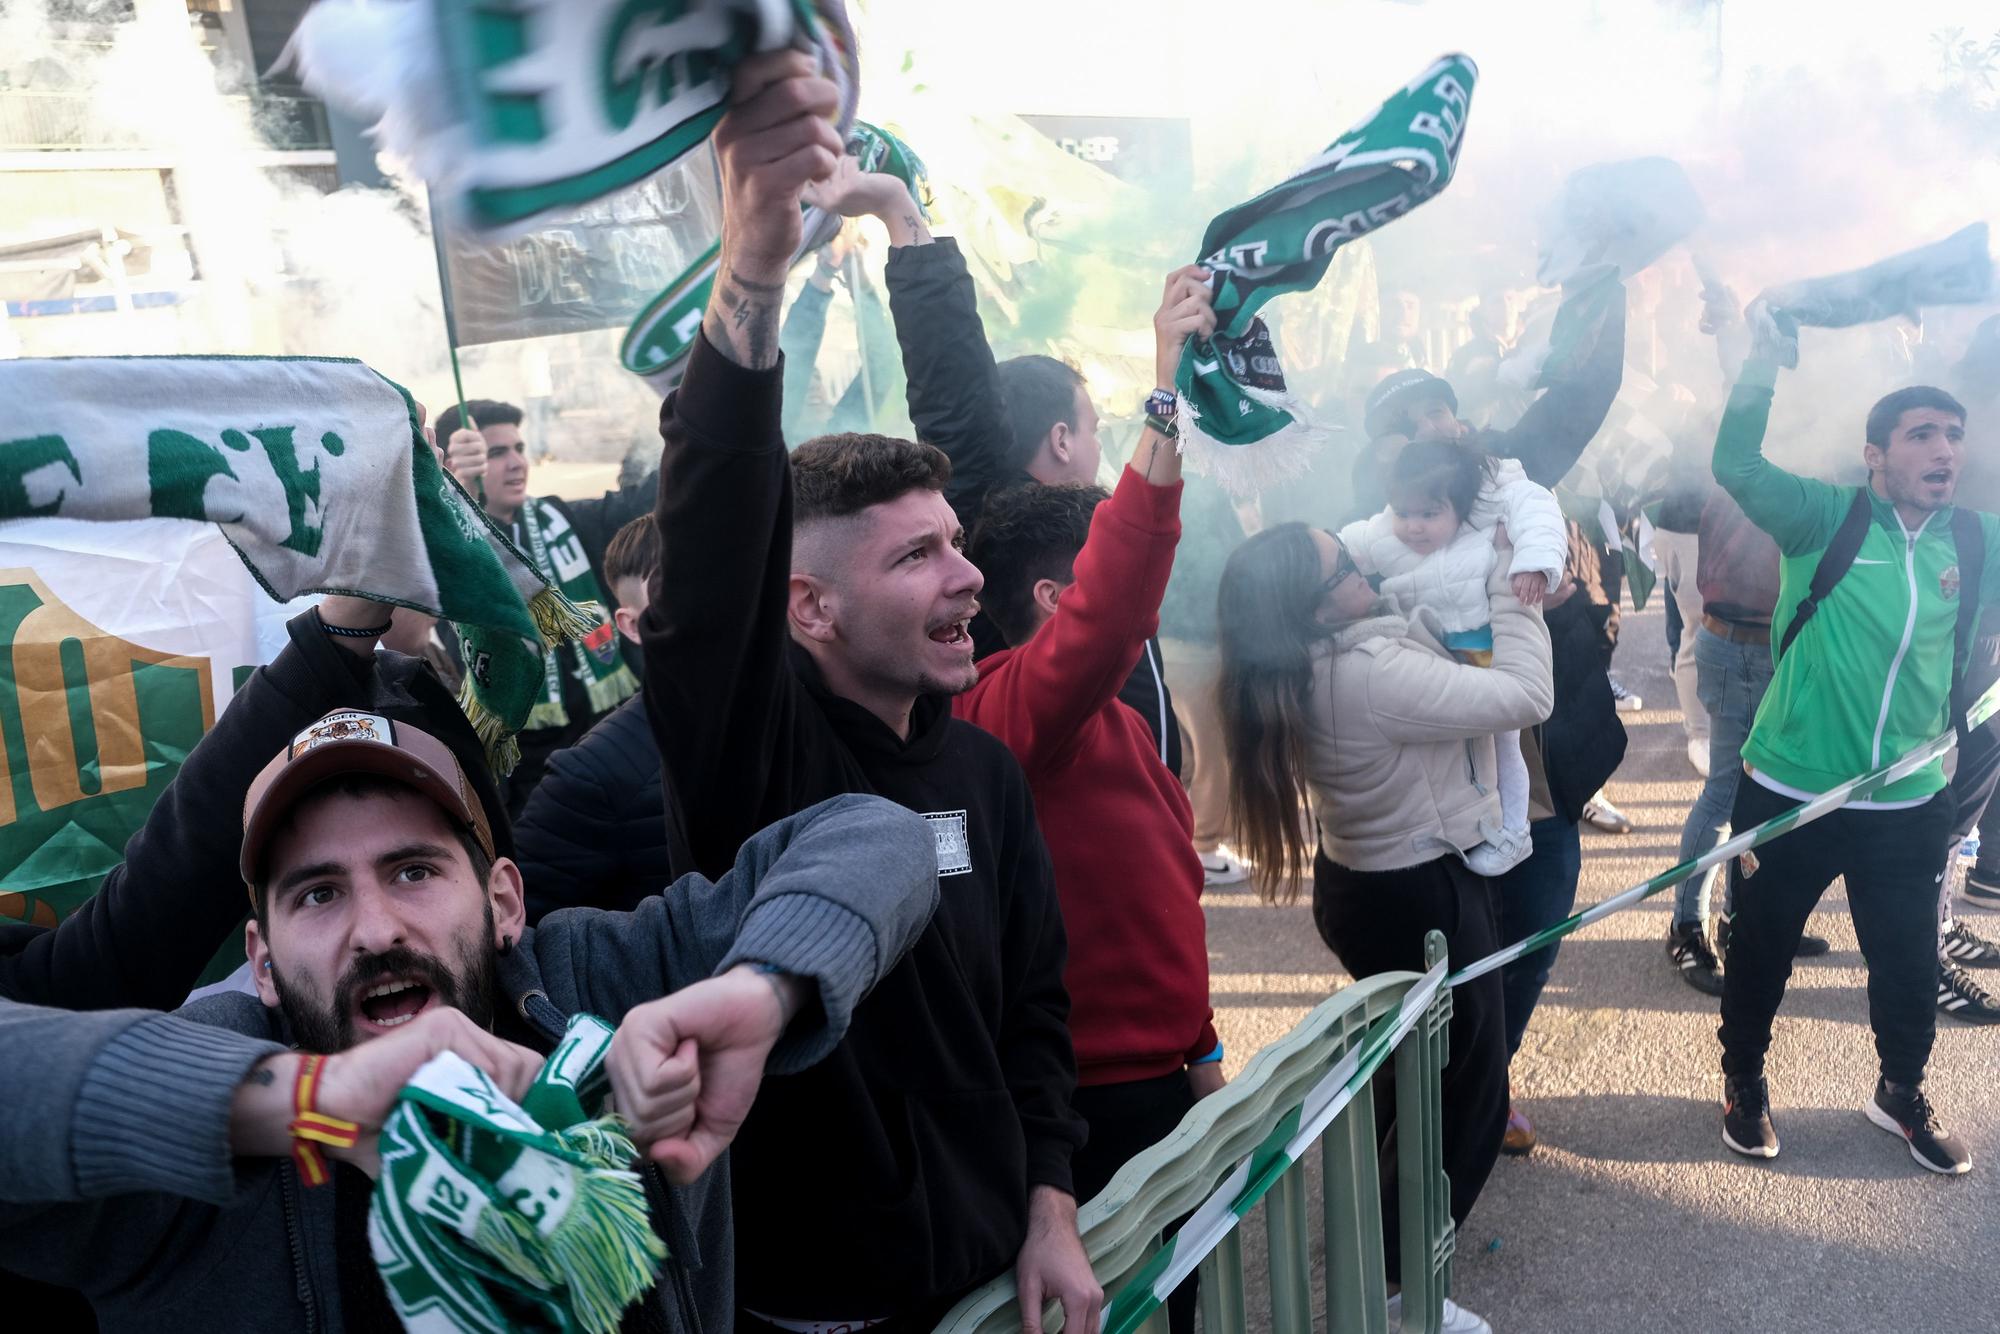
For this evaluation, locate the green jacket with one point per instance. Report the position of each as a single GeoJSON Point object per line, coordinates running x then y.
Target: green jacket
{"type": "Point", "coordinates": [1869, 677]}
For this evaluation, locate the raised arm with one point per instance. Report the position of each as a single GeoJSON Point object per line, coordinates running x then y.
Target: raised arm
{"type": "Point", "coordinates": [1553, 433]}
{"type": "Point", "coordinates": [1800, 513]}
{"type": "Point", "coordinates": [1079, 660]}
{"type": "Point", "coordinates": [718, 687]}
{"type": "Point", "coordinates": [143, 939]}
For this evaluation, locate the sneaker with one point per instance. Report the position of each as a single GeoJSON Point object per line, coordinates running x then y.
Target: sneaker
{"type": "Point", "coordinates": [1961, 945]}
{"type": "Point", "coordinates": [1964, 999]}
{"type": "Point", "coordinates": [1689, 951]}
{"type": "Point", "coordinates": [1457, 1320]}
{"type": "Point", "coordinates": [1746, 1116]}
{"type": "Point", "coordinates": [1601, 815]}
{"type": "Point", "coordinates": [1499, 854]}
{"type": "Point", "coordinates": [1905, 1111]}
{"type": "Point", "coordinates": [1698, 756]}
{"type": "Point", "coordinates": [1220, 868]}
{"type": "Point", "coordinates": [1624, 700]}
{"type": "Point", "coordinates": [1981, 888]}
{"type": "Point", "coordinates": [1519, 1137]}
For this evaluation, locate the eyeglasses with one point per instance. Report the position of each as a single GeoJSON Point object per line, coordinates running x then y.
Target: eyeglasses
{"type": "Point", "coordinates": [1343, 566]}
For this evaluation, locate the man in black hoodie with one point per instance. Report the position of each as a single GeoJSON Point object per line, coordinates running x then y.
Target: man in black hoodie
{"type": "Point", "coordinates": [806, 629]}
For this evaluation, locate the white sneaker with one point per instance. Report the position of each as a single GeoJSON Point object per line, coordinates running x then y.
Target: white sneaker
{"type": "Point", "coordinates": [1698, 756]}
{"type": "Point", "coordinates": [1221, 868]}
{"type": "Point", "coordinates": [1457, 1320]}
{"type": "Point", "coordinates": [1503, 850]}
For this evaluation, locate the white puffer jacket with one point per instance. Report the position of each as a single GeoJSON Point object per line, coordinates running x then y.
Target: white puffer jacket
{"type": "Point", "coordinates": [1451, 581]}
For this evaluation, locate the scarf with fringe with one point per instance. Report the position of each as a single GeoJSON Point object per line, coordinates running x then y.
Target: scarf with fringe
{"type": "Point", "coordinates": [1238, 423]}
{"type": "Point", "coordinates": [518, 114]}
{"type": "Point", "coordinates": [492, 1216]}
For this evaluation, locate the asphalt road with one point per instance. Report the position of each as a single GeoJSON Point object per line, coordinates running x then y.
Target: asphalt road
{"type": "Point", "coordinates": [1631, 1216]}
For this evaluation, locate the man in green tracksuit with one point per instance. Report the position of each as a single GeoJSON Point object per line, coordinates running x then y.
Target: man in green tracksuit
{"type": "Point", "coordinates": [1867, 678]}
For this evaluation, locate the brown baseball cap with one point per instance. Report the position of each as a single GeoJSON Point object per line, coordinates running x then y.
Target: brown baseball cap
{"type": "Point", "coordinates": [350, 741]}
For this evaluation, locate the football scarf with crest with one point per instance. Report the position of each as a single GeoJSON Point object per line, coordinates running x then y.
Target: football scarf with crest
{"type": "Point", "coordinates": [1238, 423]}
{"type": "Point", "coordinates": [316, 471]}
{"type": "Point", "coordinates": [492, 1216]}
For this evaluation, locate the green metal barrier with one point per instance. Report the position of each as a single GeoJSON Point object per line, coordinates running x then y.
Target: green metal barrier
{"type": "Point", "coordinates": [1245, 1145]}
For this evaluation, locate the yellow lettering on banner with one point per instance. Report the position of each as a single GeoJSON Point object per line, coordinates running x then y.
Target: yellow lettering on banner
{"type": "Point", "coordinates": [42, 694]}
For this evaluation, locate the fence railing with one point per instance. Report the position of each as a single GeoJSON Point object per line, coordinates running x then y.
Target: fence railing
{"type": "Point", "coordinates": [1243, 1148]}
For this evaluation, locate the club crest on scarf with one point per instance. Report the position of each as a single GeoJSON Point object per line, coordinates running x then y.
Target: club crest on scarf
{"type": "Point", "coordinates": [1239, 422]}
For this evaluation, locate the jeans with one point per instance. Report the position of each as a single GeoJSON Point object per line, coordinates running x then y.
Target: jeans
{"type": "Point", "coordinates": [1731, 679]}
{"type": "Point", "coordinates": [1538, 893]}
{"type": "Point", "coordinates": [1891, 861]}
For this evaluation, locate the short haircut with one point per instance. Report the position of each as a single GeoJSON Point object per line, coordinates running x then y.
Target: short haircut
{"type": "Point", "coordinates": [633, 553]}
{"type": "Point", "coordinates": [1886, 415]}
{"type": "Point", "coordinates": [1028, 534]}
{"type": "Point", "coordinates": [1039, 392]}
{"type": "Point", "coordinates": [359, 786]}
{"type": "Point", "coordinates": [838, 476]}
{"type": "Point", "coordinates": [1441, 471]}
{"type": "Point", "coordinates": [484, 411]}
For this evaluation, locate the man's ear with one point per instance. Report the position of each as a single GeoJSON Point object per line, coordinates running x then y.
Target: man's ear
{"type": "Point", "coordinates": [1874, 456]}
{"type": "Point", "coordinates": [813, 608]}
{"type": "Point", "coordinates": [1047, 593]}
{"type": "Point", "coordinates": [627, 622]}
{"type": "Point", "coordinates": [1057, 444]}
{"type": "Point", "coordinates": [510, 908]}
{"type": "Point", "coordinates": [259, 951]}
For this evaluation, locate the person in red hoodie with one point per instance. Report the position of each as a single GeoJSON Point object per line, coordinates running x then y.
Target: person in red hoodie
{"type": "Point", "coordinates": [1074, 582]}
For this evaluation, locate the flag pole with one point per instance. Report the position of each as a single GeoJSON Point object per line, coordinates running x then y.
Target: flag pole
{"type": "Point", "coordinates": [451, 328]}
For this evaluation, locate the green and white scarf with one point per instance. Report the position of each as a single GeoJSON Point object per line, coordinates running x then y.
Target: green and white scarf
{"type": "Point", "coordinates": [1955, 271]}
{"type": "Point", "coordinates": [660, 339]}
{"type": "Point", "coordinates": [491, 1216]}
{"type": "Point", "coordinates": [520, 113]}
{"type": "Point", "coordinates": [1232, 389]}
{"type": "Point", "coordinates": [559, 557]}
{"type": "Point", "coordinates": [317, 473]}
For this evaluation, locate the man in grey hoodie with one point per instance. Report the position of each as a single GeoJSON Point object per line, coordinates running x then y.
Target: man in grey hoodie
{"type": "Point", "coordinates": [378, 902]}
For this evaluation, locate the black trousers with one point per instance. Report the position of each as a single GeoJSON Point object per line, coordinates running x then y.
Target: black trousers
{"type": "Point", "coordinates": [1125, 1120]}
{"type": "Point", "coordinates": [1891, 861]}
{"type": "Point", "coordinates": [1375, 921]}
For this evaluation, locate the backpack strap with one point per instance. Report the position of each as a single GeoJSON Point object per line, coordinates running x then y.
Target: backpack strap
{"type": "Point", "coordinates": [1969, 536]}
{"type": "Point", "coordinates": [1833, 564]}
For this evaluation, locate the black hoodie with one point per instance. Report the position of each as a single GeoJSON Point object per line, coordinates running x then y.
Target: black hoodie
{"type": "Point", "coordinates": [895, 1174]}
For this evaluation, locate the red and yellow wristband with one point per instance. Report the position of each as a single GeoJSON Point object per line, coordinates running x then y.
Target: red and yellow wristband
{"type": "Point", "coordinates": [311, 1128]}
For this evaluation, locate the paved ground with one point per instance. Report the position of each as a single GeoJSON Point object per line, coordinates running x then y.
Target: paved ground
{"type": "Point", "coordinates": [1631, 1216]}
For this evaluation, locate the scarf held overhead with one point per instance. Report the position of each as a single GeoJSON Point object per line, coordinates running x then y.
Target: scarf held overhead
{"type": "Point", "coordinates": [1955, 271]}
{"type": "Point", "coordinates": [1238, 423]}
{"type": "Point", "coordinates": [660, 339]}
{"type": "Point", "coordinates": [491, 1216]}
{"type": "Point", "coordinates": [517, 113]}
{"type": "Point", "coordinates": [315, 470]}
{"type": "Point", "coordinates": [557, 551]}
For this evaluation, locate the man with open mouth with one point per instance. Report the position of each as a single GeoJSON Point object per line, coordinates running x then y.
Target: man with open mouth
{"type": "Point", "coordinates": [381, 902]}
{"type": "Point", "coordinates": [1880, 591]}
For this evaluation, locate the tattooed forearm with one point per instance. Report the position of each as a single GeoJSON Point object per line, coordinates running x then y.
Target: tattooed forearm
{"type": "Point", "coordinates": [742, 319]}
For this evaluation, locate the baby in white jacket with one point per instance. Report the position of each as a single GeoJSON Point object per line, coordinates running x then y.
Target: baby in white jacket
{"type": "Point", "coordinates": [1434, 548]}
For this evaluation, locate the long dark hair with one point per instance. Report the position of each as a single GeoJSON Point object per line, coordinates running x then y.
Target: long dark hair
{"type": "Point", "coordinates": [1266, 608]}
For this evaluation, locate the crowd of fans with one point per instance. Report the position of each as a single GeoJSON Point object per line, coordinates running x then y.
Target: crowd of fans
{"type": "Point", "coordinates": [878, 811]}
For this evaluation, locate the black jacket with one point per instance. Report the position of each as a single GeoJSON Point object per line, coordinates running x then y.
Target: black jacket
{"type": "Point", "coordinates": [586, 527]}
{"type": "Point", "coordinates": [144, 938]}
{"type": "Point", "coordinates": [598, 831]}
{"type": "Point", "coordinates": [956, 404]}
{"type": "Point", "coordinates": [1584, 739]}
{"type": "Point", "coordinates": [895, 1173]}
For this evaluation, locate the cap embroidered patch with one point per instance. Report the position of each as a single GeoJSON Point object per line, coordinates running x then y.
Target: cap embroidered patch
{"type": "Point", "coordinates": [347, 725]}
